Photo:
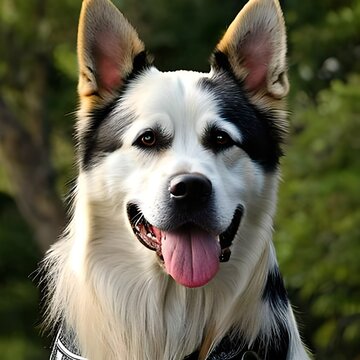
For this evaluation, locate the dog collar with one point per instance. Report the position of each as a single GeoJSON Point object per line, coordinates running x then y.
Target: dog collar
{"type": "Point", "coordinates": [65, 348]}
{"type": "Point", "coordinates": [230, 348]}
{"type": "Point", "coordinates": [247, 355]}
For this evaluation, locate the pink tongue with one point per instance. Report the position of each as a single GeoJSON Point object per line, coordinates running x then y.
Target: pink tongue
{"type": "Point", "coordinates": [191, 255]}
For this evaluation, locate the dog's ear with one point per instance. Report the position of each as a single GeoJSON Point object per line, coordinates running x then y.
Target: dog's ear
{"type": "Point", "coordinates": [254, 47]}
{"type": "Point", "coordinates": [108, 48]}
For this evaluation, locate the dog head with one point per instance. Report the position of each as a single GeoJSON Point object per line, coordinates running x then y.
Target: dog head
{"type": "Point", "coordinates": [188, 159]}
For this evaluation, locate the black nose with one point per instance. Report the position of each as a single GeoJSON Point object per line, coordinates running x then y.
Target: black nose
{"type": "Point", "coordinates": [190, 188]}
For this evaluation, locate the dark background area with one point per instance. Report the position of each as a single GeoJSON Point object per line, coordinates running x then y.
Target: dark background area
{"type": "Point", "coordinates": [317, 227]}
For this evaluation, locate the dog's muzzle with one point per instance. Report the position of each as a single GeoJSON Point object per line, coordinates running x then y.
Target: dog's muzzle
{"type": "Point", "coordinates": [189, 249]}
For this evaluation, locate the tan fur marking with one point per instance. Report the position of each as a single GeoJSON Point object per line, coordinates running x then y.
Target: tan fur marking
{"type": "Point", "coordinates": [206, 345]}
{"type": "Point", "coordinates": [262, 21]}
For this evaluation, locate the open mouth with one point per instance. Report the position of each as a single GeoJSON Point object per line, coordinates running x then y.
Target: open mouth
{"type": "Point", "coordinates": [191, 255]}
{"type": "Point", "coordinates": [148, 235]}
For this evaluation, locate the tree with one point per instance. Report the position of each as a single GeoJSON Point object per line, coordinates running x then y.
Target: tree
{"type": "Point", "coordinates": [30, 42]}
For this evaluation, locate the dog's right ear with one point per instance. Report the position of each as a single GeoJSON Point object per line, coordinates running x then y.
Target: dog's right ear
{"type": "Point", "coordinates": [108, 50]}
{"type": "Point", "coordinates": [254, 47]}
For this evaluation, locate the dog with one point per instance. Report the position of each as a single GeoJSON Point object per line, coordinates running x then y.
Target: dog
{"type": "Point", "coordinates": [169, 253]}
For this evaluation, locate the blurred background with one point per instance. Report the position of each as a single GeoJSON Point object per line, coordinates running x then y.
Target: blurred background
{"type": "Point", "coordinates": [318, 223]}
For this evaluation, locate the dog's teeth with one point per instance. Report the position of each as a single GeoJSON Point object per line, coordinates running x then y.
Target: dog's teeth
{"type": "Point", "coordinates": [151, 236]}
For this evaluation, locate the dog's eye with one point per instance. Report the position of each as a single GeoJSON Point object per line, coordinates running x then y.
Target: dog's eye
{"type": "Point", "coordinates": [217, 140]}
{"type": "Point", "coordinates": [147, 139]}
{"type": "Point", "coordinates": [221, 138]}
{"type": "Point", "coordinates": [156, 139]}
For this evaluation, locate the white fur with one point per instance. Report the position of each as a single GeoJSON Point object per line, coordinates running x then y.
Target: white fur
{"type": "Point", "coordinates": [112, 290]}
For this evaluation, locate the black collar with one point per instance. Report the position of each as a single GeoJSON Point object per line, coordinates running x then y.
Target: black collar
{"type": "Point", "coordinates": [230, 348]}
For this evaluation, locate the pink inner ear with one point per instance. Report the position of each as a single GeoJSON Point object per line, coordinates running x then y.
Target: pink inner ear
{"type": "Point", "coordinates": [256, 55]}
{"type": "Point", "coordinates": [109, 74]}
{"type": "Point", "coordinates": [108, 58]}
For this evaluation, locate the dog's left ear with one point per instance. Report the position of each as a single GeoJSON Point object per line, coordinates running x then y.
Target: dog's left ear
{"type": "Point", "coordinates": [108, 50]}
{"type": "Point", "coordinates": [254, 46]}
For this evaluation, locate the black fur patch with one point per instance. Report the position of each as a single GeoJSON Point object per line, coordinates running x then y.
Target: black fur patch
{"type": "Point", "coordinates": [275, 292]}
{"type": "Point", "coordinates": [275, 295]}
{"type": "Point", "coordinates": [219, 61]}
{"type": "Point", "coordinates": [89, 143]}
{"type": "Point", "coordinates": [262, 137]}
{"type": "Point", "coordinates": [97, 139]}
{"type": "Point", "coordinates": [141, 62]}
{"type": "Point", "coordinates": [277, 348]}
{"type": "Point", "coordinates": [273, 346]}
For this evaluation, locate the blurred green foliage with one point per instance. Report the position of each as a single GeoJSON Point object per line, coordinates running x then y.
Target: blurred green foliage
{"type": "Point", "coordinates": [317, 226]}
{"type": "Point", "coordinates": [318, 220]}
{"type": "Point", "coordinates": [19, 303]}
{"type": "Point", "coordinates": [319, 217]}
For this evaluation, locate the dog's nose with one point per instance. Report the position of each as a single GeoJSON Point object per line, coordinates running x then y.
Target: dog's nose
{"type": "Point", "coordinates": [190, 188]}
